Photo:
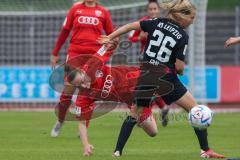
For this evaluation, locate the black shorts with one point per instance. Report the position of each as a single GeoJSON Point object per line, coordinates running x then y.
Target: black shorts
{"type": "Point", "coordinates": [149, 84]}
{"type": "Point", "coordinates": [157, 82]}
{"type": "Point", "coordinates": [178, 91]}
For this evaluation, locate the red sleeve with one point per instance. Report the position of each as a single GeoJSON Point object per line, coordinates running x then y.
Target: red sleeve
{"type": "Point", "coordinates": [134, 36]}
{"type": "Point", "coordinates": [66, 28]}
{"type": "Point", "coordinates": [60, 41]}
{"type": "Point", "coordinates": [68, 22]}
{"type": "Point", "coordinates": [108, 25]}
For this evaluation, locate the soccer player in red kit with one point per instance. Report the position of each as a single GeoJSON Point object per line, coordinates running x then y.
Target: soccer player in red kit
{"type": "Point", "coordinates": [86, 21]}
{"type": "Point", "coordinates": [135, 36]}
{"type": "Point", "coordinates": [108, 84]}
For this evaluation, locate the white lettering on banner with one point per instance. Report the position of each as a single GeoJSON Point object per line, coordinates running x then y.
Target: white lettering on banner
{"type": "Point", "coordinates": [11, 77]}
{"type": "Point", "coordinates": [30, 89]}
{"type": "Point", "coordinates": [16, 90]}
{"type": "Point", "coordinates": [32, 76]}
{"type": "Point", "coordinates": [3, 89]}
{"type": "Point", "coordinates": [88, 20]}
{"type": "Point", "coordinates": [2, 76]}
{"type": "Point", "coordinates": [44, 90]}
{"type": "Point", "coordinates": [22, 76]}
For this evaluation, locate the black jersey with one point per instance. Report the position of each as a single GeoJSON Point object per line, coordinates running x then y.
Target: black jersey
{"type": "Point", "coordinates": [166, 41]}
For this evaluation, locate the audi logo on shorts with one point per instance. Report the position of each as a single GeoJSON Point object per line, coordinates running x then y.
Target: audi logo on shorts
{"type": "Point", "coordinates": [88, 20]}
{"type": "Point", "coordinates": [107, 86]}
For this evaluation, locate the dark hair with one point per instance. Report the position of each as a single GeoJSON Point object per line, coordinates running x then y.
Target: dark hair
{"type": "Point", "coordinates": [153, 1]}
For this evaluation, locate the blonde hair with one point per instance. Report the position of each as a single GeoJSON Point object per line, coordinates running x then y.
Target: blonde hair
{"type": "Point", "coordinates": [178, 8]}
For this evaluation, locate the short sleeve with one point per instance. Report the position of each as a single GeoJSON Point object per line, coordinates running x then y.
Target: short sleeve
{"type": "Point", "coordinates": [181, 49]}
{"type": "Point", "coordinates": [146, 25]}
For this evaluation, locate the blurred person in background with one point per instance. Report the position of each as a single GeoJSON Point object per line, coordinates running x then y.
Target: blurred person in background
{"type": "Point", "coordinates": [86, 20]}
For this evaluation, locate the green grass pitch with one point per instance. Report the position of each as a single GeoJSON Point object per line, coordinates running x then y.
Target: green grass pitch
{"type": "Point", "coordinates": [25, 136]}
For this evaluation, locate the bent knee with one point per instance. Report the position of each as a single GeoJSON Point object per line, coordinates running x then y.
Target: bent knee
{"type": "Point", "coordinates": [153, 134]}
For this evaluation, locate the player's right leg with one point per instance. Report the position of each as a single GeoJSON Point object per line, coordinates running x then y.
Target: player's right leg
{"type": "Point", "coordinates": [187, 101]}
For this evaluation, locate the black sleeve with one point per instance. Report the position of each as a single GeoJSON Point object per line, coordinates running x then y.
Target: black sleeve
{"type": "Point", "coordinates": [147, 25]}
{"type": "Point", "coordinates": [182, 48]}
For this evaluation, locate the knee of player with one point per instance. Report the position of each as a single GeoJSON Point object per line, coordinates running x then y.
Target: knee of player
{"type": "Point", "coordinates": [153, 134]}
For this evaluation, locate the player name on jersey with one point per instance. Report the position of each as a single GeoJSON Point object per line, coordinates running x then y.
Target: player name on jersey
{"type": "Point", "coordinates": [171, 29]}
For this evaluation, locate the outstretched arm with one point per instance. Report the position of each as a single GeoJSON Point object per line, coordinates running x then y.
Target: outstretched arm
{"type": "Point", "coordinates": [232, 41]}
{"type": "Point", "coordinates": [87, 148]}
{"type": "Point", "coordinates": [122, 30]}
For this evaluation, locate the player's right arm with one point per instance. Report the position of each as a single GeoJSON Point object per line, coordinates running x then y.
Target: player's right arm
{"type": "Point", "coordinates": [180, 51]}
{"type": "Point", "coordinates": [232, 41]}
{"type": "Point", "coordinates": [66, 29]}
{"type": "Point", "coordinates": [122, 30]}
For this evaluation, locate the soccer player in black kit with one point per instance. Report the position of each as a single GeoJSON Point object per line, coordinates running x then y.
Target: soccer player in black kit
{"type": "Point", "coordinates": [166, 46]}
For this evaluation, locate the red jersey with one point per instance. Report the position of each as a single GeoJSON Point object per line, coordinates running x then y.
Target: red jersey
{"type": "Point", "coordinates": [113, 84]}
{"type": "Point", "coordinates": [86, 24]}
{"type": "Point", "coordinates": [134, 36]}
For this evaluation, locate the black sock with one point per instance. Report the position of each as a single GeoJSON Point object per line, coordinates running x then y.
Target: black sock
{"type": "Point", "coordinates": [202, 138]}
{"type": "Point", "coordinates": [125, 132]}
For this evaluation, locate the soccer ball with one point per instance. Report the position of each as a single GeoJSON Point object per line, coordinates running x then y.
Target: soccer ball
{"type": "Point", "coordinates": [200, 117]}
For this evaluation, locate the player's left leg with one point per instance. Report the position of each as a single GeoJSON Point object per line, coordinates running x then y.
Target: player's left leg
{"type": "Point", "coordinates": [146, 122]}
{"type": "Point", "coordinates": [124, 134]}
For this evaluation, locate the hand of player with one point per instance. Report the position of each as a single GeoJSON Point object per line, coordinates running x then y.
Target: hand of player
{"type": "Point", "coordinates": [54, 60]}
{"type": "Point", "coordinates": [103, 39]}
{"type": "Point", "coordinates": [112, 44]}
{"type": "Point", "coordinates": [143, 36]}
{"type": "Point", "coordinates": [232, 41]}
{"type": "Point", "coordinates": [87, 150]}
